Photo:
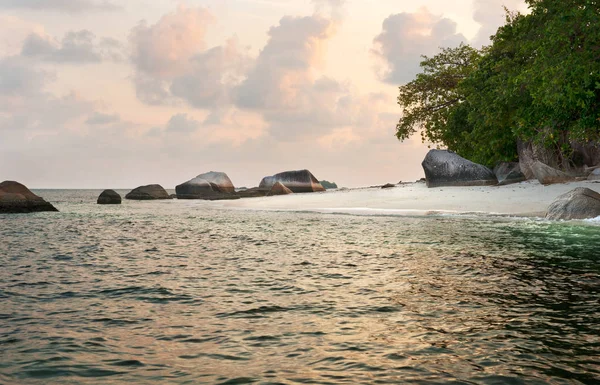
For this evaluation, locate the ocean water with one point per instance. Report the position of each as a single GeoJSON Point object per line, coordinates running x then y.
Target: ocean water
{"type": "Point", "coordinates": [185, 292]}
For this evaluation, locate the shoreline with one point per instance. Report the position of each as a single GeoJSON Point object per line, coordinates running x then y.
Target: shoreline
{"type": "Point", "coordinates": [527, 199]}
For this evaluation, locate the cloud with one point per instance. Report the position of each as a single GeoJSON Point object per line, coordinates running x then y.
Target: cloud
{"type": "Point", "coordinates": [59, 5]}
{"type": "Point", "coordinates": [172, 63]}
{"type": "Point", "coordinates": [181, 123]}
{"type": "Point", "coordinates": [164, 49]}
{"type": "Point", "coordinates": [282, 84]}
{"type": "Point", "coordinates": [19, 78]}
{"type": "Point", "coordinates": [75, 47]}
{"type": "Point", "coordinates": [490, 15]}
{"type": "Point", "coordinates": [99, 118]}
{"type": "Point", "coordinates": [406, 36]}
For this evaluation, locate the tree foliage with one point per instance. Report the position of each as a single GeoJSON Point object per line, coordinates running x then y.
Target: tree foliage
{"type": "Point", "coordinates": [538, 81]}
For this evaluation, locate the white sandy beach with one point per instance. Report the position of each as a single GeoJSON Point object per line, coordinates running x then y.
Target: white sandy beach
{"type": "Point", "coordinates": [522, 199]}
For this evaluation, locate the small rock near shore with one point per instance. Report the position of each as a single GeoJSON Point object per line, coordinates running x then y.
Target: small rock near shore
{"type": "Point", "coordinates": [548, 175]}
{"type": "Point", "coordinates": [109, 197]}
{"type": "Point", "coordinates": [15, 198]}
{"type": "Point", "coordinates": [509, 173]}
{"type": "Point", "coordinates": [446, 168]}
{"type": "Point", "coordinates": [149, 192]}
{"type": "Point", "coordinates": [580, 203]}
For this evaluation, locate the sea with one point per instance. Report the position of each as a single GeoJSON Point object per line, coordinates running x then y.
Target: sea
{"type": "Point", "coordinates": [193, 292]}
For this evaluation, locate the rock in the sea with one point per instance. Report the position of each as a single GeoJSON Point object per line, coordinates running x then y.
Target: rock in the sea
{"type": "Point", "coordinates": [446, 168]}
{"type": "Point", "coordinates": [279, 189]}
{"type": "Point", "coordinates": [109, 197]}
{"type": "Point", "coordinates": [595, 175]}
{"type": "Point", "coordinates": [300, 181]}
{"type": "Point", "coordinates": [16, 198]}
{"type": "Point", "coordinates": [389, 185]}
{"type": "Point", "coordinates": [580, 203]}
{"type": "Point", "coordinates": [149, 192]}
{"type": "Point", "coordinates": [327, 185]}
{"type": "Point", "coordinates": [508, 173]}
{"type": "Point", "coordinates": [548, 175]}
{"type": "Point", "coordinates": [205, 186]}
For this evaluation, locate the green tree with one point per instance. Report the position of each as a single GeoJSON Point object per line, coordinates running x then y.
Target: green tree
{"type": "Point", "coordinates": [539, 81]}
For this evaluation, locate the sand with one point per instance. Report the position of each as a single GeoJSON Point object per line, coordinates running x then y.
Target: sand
{"type": "Point", "coordinates": [522, 199]}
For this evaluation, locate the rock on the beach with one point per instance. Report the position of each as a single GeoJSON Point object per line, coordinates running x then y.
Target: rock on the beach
{"type": "Point", "coordinates": [548, 175]}
{"type": "Point", "coordinates": [279, 189]}
{"type": "Point", "coordinates": [149, 192]}
{"type": "Point", "coordinates": [580, 203]}
{"type": "Point", "coordinates": [300, 181]}
{"type": "Point", "coordinates": [446, 168]}
{"type": "Point", "coordinates": [508, 173]}
{"type": "Point", "coordinates": [205, 186]}
{"type": "Point", "coordinates": [109, 197]}
{"type": "Point", "coordinates": [16, 198]}
{"type": "Point", "coordinates": [595, 175]}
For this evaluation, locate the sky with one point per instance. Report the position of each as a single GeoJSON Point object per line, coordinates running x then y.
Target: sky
{"type": "Point", "coordinates": [122, 93]}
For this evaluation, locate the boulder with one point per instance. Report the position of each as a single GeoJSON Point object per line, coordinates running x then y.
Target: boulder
{"type": "Point", "coordinates": [206, 186]}
{"type": "Point", "coordinates": [389, 185]}
{"type": "Point", "coordinates": [548, 175]}
{"type": "Point", "coordinates": [595, 175]}
{"type": "Point", "coordinates": [16, 198]}
{"type": "Point", "coordinates": [109, 197]}
{"type": "Point", "coordinates": [446, 168]}
{"type": "Point", "coordinates": [149, 192]}
{"type": "Point", "coordinates": [580, 203]}
{"type": "Point", "coordinates": [300, 181]}
{"type": "Point", "coordinates": [279, 189]}
{"type": "Point", "coordinates": [508, 173]}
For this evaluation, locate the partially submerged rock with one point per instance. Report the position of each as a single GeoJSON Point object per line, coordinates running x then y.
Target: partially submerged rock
{"type": "Point", "coordinates": [300, 181]}
{"type": "Point", "coordinates": [548, 175]}
{"type": "Point", "coordinates": [109, 197]}
{"type": "Point", "coordinates": [149, 192]}
{"type": "Point", "coordinates": [508, 173]}
{"type": "Point", "coordinates": [388, 185]}
{"type": "Point", "coordinates": [581, 203]}
{"type": "Point", "coordinates": [16, 198]}
{"type": "Point", "coordinates": [279, 189]}
{"type": "Point", "coordinates": [209, 185]}
{"type": "Point", "coordinates": [446, 168]}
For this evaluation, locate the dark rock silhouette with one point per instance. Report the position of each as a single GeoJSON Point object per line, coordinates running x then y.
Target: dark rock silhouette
{"type": "Point", "coordinates": [389, 185]}
{"type": "Point", "coordinates": [300, 181]}
{"type": "Point", "coordinates": [16, 198]}
{"type": "Point", "coordinates": [109, 197]}
{"type": "Point", "coordinates": [446, 168]}
{"type": "Point", "coordinates": [580, 203]}
{"type": "Point", "coordinates": [149, 192]}
{"type": "Point", "coordinates": [210, 185]}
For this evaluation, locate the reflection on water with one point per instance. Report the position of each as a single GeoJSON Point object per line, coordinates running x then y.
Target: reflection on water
{"type": "Point", "coordinates": [180, 292]}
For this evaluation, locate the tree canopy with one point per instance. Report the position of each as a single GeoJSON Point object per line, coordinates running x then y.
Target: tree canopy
{"type": "Point", "coordinates": [538, 81]}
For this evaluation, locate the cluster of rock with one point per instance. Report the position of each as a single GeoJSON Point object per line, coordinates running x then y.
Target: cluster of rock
{"type": "Point", "coordinates": [215, 185]}
{"type": "Point", "coordinates": [445, 168]}
{"type": "Point", "coordinates": [16, 198]}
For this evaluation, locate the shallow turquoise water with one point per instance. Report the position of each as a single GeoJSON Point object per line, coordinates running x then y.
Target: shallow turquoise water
{"type": "Point", "coordinates": [186, 293]}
